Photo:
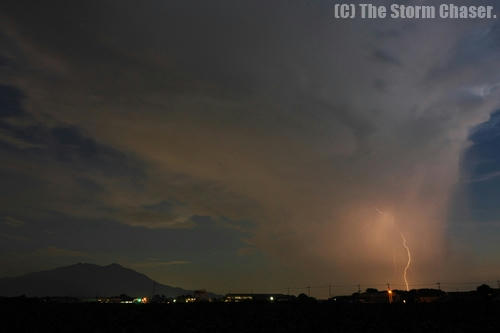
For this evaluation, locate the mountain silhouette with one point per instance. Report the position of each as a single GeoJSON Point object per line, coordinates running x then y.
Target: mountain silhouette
{"type": "Point", "coordinates": [86, 280]}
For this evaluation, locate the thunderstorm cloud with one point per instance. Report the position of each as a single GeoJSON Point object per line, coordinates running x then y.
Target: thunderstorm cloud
{"type": "Point", "coordinates": [255, 140]}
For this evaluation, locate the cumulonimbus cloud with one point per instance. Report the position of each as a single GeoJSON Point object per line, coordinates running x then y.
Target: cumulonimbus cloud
{"type": "Point", "coordinates": [300, 123]}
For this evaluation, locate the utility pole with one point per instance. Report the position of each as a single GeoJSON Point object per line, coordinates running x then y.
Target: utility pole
{"type": "Point", "coordinates": [359, 288]}
{"type": "Point", "coordinates": [288, 291]}
{"type": "Point", "coordinates": [439, 285]}
{"type": "Point", "coordinates": [309, 291]}
{"type": "Point", "coordinates": [329, 291]}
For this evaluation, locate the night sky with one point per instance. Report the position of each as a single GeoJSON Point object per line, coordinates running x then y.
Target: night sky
{"type": "Point", "coordinates": [248, 145]}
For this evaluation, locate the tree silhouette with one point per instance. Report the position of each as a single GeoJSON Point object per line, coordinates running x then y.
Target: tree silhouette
{"type": "Point", "coordinates": [484, 290]}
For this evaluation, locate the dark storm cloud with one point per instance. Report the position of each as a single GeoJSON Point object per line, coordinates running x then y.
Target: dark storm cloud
{"type": "Point", "coordinates": [63, 231]}
{"type": "Point", "coordinates": [479, 45]}
{"type": "Point", "coordinates": [50, 167]}
{"type": "Point", "coordinates": [128, 47]}
{"type": "Point", "coordinates": [261, 116]}
{"type": "Point", "coordinates": [385, 57]}
{"type": "Point", "coordinates": [475, 209]}
{"type": "Point", "coordinates": [481, 168]}
{"type": "Point", "coordinates": [4, 62]}
{"type": "Point", "coordinates": [65, 144]}
{"type": "Point", "coordinates": [63, 168]}
{"type": "Point", "coordinates": [10, 101]}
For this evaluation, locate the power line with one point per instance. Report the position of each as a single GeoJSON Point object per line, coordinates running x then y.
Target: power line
{"type": "Point", "coordinates": [357, 286]}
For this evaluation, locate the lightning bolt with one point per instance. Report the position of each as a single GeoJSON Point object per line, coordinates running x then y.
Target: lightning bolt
{"type": "Point", "coordinates": [405, 245]}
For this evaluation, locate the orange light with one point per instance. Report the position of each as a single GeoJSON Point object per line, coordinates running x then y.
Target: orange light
{"type": "Point", "coordinates": [389, 291]}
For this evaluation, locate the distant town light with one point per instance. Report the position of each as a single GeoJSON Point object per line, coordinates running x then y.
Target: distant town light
{"type": "Point", "coordinates": [271, 298]}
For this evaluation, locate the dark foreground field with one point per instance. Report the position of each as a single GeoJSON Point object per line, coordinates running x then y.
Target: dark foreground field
{"type": "Point", "coordinates": [221, 317]}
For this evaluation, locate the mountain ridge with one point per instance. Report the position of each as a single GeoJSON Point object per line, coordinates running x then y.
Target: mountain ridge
{"type": "Point", "coordinates": [86, 280]}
